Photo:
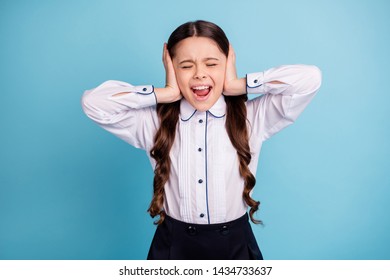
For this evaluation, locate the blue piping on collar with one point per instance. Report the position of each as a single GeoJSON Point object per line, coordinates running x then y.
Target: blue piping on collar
{"type": "Point", "coordinates": [218, 117]}
{"type": "Point", "coordinates": [184, 120]}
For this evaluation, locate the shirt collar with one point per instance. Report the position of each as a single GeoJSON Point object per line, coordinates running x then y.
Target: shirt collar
{"type": "Point", "coordinates": [218, 110]}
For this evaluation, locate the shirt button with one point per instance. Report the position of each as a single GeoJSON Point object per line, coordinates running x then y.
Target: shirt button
{"type": "Point", "coordinates": [224, 230]}
{"type": "Point", "coordinates": [191, 230]}
{"type": "Point", "coordinates": [200, 181]}
{"type": "Point", "coordinates": [144, 89]}
{"type": "Point", "coordinates": [201, 215]}
{"type": "Point", "coordinates": [255, 81]}
{"type": "Point", "coordinates": [200, 121]}
{"type": "Point", "coordinates": [199, 149]}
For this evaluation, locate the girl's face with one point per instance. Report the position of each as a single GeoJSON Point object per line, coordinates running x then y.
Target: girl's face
{"type": "Point", "coordinates": [200, 71]}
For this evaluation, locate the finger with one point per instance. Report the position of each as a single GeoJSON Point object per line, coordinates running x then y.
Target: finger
{"type": "Point", "coordinates": [163, 53]}
{"type": "Point", "coordinates": [231, 73]}
{"type": "Point", "coordinates": [167, 55]}
{"type": "Point", "coordinates": [167, 59]}
{"type": "Point", "coordinates": [232, 55]}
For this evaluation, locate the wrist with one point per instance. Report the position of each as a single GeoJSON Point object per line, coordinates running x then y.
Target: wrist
{"type": "Point", "coordinates": [235, 87]}
{"type": "Point", "coordinates": [167, 94]}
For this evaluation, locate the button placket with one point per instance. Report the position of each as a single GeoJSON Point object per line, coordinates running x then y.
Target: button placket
{"type": "Point", "coordinates": [200, 184]}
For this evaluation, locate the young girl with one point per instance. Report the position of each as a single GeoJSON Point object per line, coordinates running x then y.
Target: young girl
{"type": "Point", "coordinates": [203, 137]}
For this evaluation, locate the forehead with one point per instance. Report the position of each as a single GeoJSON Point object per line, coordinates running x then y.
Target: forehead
{"type": "Point", "coordinates": [197, 47]}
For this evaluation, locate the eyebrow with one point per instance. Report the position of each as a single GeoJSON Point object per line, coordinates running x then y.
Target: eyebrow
{"type": "Point", "coordinates": [191, 61]}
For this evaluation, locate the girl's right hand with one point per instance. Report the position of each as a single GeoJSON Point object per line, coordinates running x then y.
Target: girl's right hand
{"type": "Point", "coordinates": [171, 92]}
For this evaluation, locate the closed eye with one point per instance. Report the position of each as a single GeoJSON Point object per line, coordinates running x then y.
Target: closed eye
{"type": "Point", "coordinates": [211, 64]}
{"type": "Point", "coordinates": [186, 66]}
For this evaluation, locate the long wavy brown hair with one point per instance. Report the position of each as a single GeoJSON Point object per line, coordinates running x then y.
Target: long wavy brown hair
{"type": "Point", "coordinates": [236, 125]}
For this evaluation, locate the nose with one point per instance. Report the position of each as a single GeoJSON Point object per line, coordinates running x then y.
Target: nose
{"type": "Point", "coordinates": [199, 74]}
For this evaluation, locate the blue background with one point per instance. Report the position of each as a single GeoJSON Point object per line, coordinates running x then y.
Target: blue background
{"type": "Point", "coordinates": [70, 190]}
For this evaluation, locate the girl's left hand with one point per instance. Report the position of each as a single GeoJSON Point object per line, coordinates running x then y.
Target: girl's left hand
{"type": "Point", "coordinates": [233, 85]}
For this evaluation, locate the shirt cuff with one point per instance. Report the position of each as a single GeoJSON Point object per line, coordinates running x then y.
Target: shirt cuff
{"type": "Point", "coordinates": [143, 96]}
{"type": "Point", "coordinates": [150, 98]}
{"type": "Point", "coordinates": [255, 83]}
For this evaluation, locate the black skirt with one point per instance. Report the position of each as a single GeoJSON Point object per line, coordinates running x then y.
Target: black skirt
{"type": "Point", "coordinates": [176, 240]}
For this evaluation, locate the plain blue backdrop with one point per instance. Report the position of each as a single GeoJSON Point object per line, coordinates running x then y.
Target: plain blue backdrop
{"type": "Point", "coordinates": [70, 190]}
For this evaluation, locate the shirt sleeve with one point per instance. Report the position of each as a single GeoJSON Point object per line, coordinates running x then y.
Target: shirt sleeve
{"type": "Point", "coordinates": [131, 117]}
{"type": "Point", "coordinates": [280, 103]}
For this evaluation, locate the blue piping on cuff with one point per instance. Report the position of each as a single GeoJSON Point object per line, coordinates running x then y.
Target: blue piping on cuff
{"type": "Point", "coordinates": [147, 92]}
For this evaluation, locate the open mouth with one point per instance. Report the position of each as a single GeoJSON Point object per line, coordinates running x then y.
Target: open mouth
{"type": "Point", "coordinates": [201, 92]}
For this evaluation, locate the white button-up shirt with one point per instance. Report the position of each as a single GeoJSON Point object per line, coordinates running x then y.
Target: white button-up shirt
{"type": "Point", "coordinates": [205, 185]}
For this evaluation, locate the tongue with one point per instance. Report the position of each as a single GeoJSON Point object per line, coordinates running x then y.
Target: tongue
{"type": "Point", "coordinates": [202, 92]}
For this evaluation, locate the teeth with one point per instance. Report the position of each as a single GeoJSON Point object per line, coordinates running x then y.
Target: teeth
{"type": "Point", "coordinates": [201, 87]}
